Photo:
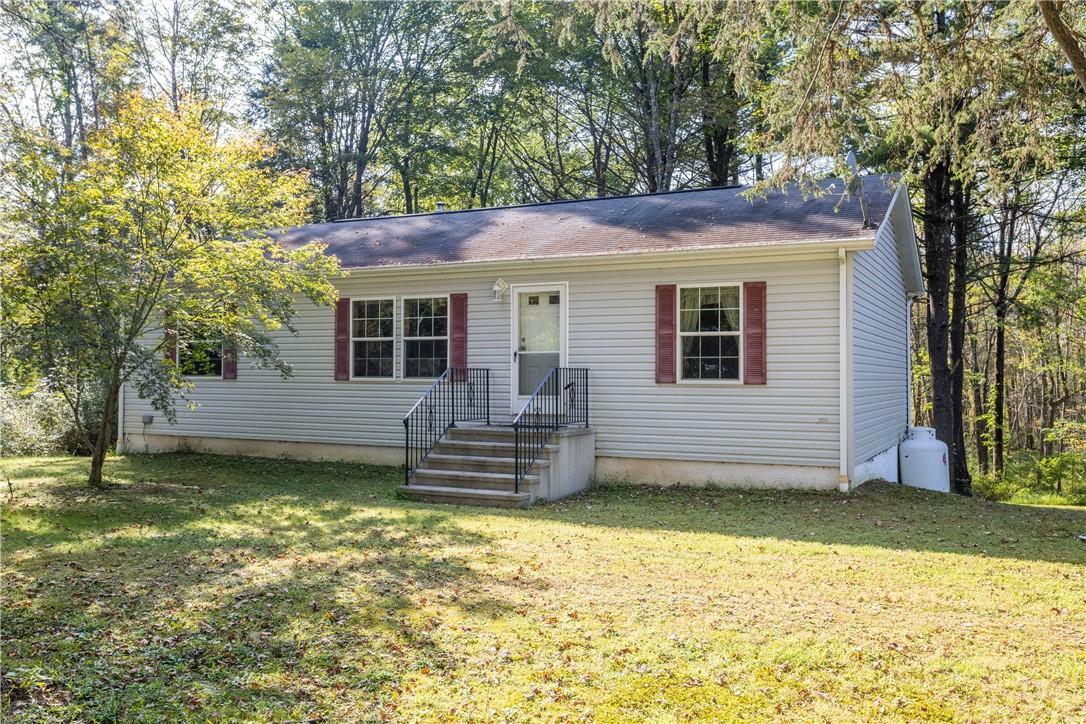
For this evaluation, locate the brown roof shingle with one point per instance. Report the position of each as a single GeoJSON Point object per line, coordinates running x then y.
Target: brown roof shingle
{"type": "Point", "coordinates": [674, 221]}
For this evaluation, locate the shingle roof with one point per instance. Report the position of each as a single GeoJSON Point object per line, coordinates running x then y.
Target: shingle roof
{"type": "Point", "coordinates": [674, 221]}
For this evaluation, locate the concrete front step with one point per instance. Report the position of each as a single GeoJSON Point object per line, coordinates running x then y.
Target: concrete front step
{"type": "Point", "coordinates": [440, 460]}
{"type": "Point", "coordinates": [474, 465]}
{"type": "Point", "coordinates": [465, 496]}
{"type": "Point", "coordinates": [473, 479]}
{"type": "Point", "coordinates": [447, 446]}
{"type": "Point", "coordinates": [482, 448]}
{"type": "Point", "coordinates": [482, 434]}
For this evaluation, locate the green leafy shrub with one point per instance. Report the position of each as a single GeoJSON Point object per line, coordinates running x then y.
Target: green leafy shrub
{"type": "Point", "coordinates": [38, 421]}
{"type": "Point", "coordinates": [34, 423]}
{"type": "Point", "coordinates": [1054, 479]}
{"type": "Point", "coordinates": [1062, 474]}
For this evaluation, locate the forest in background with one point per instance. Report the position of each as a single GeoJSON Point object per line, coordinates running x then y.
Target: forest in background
{"type": "Point", "coordinates": [393, 107]}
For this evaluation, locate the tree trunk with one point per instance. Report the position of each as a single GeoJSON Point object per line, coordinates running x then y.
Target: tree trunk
{"type": "Point", "coordinates": [1001, 304]}
{"type": "Point", "coordinates": [405, 180]}
{"type": "Point", "coordinates": [961, 481]}
{"type": "Point", "coordinates": [659, 164]}
{"type": "Point", "coordinates": [1065, 35]}
{"type": "Point", "coordinates": [978, 428]}
{"type": "Point", "coordinates": [361, 163]}
{"type": "Point", "coordinates": [717, 126]}
{"type": "Point", "coordinates": [98, 458]}
{"type": "Point", "coordinates": [101, 443]}
{"type": "Point", "coordinates": [980, 396]}
{"type": "Point", "coordinates": [1000, 386]}
{"type": "Point", "coordinates": [938, 235]}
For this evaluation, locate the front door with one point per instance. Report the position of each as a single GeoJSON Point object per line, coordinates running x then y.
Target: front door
{"type": "Point", "coordinates": [539, 332]}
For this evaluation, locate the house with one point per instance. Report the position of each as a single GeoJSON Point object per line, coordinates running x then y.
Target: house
{"type": "Point", "coordinates": [683, 337]}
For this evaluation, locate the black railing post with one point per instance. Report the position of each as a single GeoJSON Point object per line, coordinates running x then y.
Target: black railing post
{"type": "Point", "coordinates": [585, 392]}
{"type": "Point", "coordinates": [450, 399]}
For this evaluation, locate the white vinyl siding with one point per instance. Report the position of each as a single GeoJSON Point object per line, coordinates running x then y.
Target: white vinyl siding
{"type": "Point", "coordinates": [879, 349]}
{"type": "Point", "coordinates": [792, 420]}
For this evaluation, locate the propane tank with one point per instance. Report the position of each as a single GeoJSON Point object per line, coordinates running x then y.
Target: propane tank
{"type": "Point", "coordinates": [924, 461]}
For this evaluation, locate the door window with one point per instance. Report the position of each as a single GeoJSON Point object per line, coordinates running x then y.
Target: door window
{"type": "Point", "coordinates": [539, 331]}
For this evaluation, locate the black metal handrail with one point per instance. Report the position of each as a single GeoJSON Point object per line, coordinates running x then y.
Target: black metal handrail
{"type": "Point", "coordinates": [460, 394]}
{"type": "Point", "coordinates": [559, 400]}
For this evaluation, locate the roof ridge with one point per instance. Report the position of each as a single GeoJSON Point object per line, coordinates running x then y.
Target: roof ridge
{"type": "Point", "coordinates": [537, 203]}
{"type": "Point", "coordinates": [559, 202]}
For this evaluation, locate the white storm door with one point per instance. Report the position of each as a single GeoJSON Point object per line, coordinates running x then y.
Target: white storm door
{"type": "Point", "coordinates": [539, 333]}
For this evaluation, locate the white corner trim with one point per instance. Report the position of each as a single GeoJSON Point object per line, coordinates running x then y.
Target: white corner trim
{"type": "Point", "coordinates": [842, 366]}
{"type": "Point", "coordinates": [120, 418]}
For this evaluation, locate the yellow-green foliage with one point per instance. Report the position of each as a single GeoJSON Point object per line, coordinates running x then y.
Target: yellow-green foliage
{"type": "Point", "coordinates": [205, 588]}
{"type": "Point", "coordinates": [156, 221]}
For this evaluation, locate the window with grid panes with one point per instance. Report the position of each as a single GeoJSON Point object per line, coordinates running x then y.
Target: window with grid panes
{"type": "Point", "coordinates": [425, 336]}
{"type": "Point", "coordinates": [372, 343]}
{"type": "Point", "coordinates": [709, 332]}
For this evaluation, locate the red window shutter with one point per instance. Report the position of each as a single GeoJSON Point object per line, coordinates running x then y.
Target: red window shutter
{"type": "Point", "coordinates": [169, 345]}
{"type": "Point", "coordinates": [665, 332]}
{"type": "Point", "coordinates": [343, 339]}
{"type": "Point", "coordinates": [754, 333]}
{"type": "Point", "coordinates": [458, 330]}
{"type": "Point", "coordinates": [229, 362]}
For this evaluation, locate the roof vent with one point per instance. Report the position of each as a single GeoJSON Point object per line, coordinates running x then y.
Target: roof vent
{"type": "Point", "coordinates": [441, 207]}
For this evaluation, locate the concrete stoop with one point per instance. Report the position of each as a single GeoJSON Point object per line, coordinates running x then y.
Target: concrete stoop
{"type": "Point", "coordinates": [474, 465]}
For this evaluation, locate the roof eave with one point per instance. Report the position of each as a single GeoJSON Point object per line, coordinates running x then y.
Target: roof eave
{"type": "Point", "coordinates": [857, 243]}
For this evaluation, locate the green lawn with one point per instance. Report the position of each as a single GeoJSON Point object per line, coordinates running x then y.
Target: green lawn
{"type": "Point", "coordinates": [209, 588]}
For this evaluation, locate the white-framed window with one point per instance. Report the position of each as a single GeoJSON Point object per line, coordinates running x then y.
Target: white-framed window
{"type": "Point", "coordinates": [198, 356]}
{"type": "Point", "coordinates": [425, 336]}
{"type": "Point", "coordinates": [710, 332]}
{"type": "Point", "coordinates": [373, 346]}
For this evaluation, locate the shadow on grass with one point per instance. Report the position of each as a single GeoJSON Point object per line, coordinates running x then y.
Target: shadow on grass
{"type": "Point", "coordinates": [254, 585]}
{"type": "Point", "coordinates": [257, 588]}
{"type": "Point", "coordinates": [880, 515]}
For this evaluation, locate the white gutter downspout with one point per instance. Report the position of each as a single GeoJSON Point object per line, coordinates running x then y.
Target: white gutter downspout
{"type": "Point", "coordinates": [843, 363]}
{"type": "Point", "coordinates": [910, 300]}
